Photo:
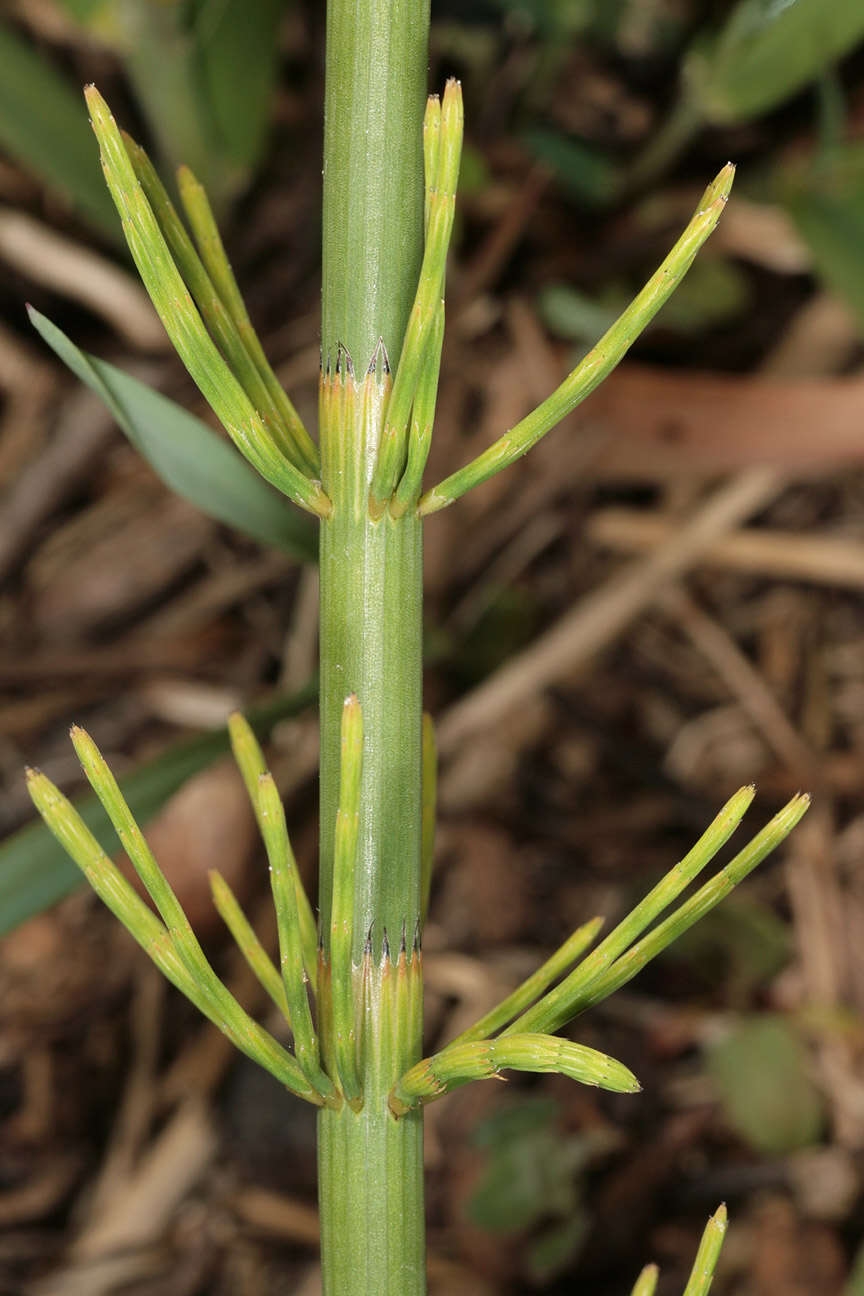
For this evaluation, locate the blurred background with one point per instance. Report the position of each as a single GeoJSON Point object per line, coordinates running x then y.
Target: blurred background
{"type": "Point", "coordinates": [675, 576]}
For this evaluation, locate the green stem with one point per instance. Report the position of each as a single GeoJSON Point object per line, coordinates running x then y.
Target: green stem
{"type": "Point", "coordinates": [377, 54]}
{"type": "Point", "coordinates": [370, 646]}
{"type": "Point", "coordinates": [370, 1166]}
{"type": "Point", "coordinates": [371, 1185]}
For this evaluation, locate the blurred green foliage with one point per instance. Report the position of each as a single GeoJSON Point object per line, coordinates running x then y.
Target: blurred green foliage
{"type": "Point", "coordinates": [761, 1074]}
{"type": "Point", "coordinates": [203, 72]}
{"type": "Point", "coordinates": [824, 195]}
{"type": "Point", "coordinates": [584, 172]}
{"type": "Point", "coordinates": [193, 460]}
{"type": "Point", "coordinates": [531, 1183]}
{"type": "Point", "coordinates": [728, 71]}
{"type": "Point", "coordinates": [731, 71]}
{"type": "Point", "coordinates": [744, 938]}
{"type": "Point", "coordinates": [554, 19]}
{"type": "Point", "coordinates": [43, 126]}
{"type": "Point", "coordinates": [766, 51]}
{"type": "Point", "coordinates": [714, 293]}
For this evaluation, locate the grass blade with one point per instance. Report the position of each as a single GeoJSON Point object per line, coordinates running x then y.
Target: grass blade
{"type": "Point", "coordinates": [186, 454]}
{"type": "Point", "coordinates": [43, 127]}
{"type": "Point", "coordinates": [764, 53]}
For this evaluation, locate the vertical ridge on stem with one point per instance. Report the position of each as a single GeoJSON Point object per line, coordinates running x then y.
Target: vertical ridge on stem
{"type": "Point", "coordinates": [371, 640]}
{"type": "Point", "coordinates": [371, 1166]}
{"type": "Point", "coordinates": [377, 56]}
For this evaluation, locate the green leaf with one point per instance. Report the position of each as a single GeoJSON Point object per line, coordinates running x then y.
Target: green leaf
{"type": "Point", "coordinates": [513, 1122]}
{"type": "Point", "coordinates": [761, 1074]}
{"type": "Point", "coordinates": [203, 71]}
{"type": "Point", "coordinates": [188, 456]}
{"type": "Point", "coordinates": [715, 292]}
{"type": "Point", "coordinates": [585, 173]}
{"type": "Point", "coordinates": [556, 1246]}
{"type": "Point", "coordinates": [35, 872]}
{"type": "Point", "coordinates": [572, 314]}
{"type": "Point", "coordinates": [43, 126]}
{"type": "Point", "coordinates": [532, 1169]}
{"type": "Point", "coordinates": [237, 54]}
{"type": "Point", "coordinates": [533, 1177]}
{"type": "Point", "coordinates": [159, 52]}
{"type": "Point", "coordinates": [827, 205]}
{"type": "Point", "coordinates": [767, 51]}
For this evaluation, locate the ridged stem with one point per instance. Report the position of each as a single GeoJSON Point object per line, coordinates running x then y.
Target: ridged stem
{"type": "Point", "coordinates": [371, 647]}
{"type": "Point", "coordinates": [371, 1188]}
{"type": "Point", "coordinates": [377, 58]}
{"type": "Point", "coordinates": [370, 1164]}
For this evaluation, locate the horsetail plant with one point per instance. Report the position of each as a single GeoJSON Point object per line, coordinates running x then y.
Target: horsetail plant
{"type": "Point", "coordinates": [349, 987]}
{"type": "Point", "coordinates": [702, 1273]}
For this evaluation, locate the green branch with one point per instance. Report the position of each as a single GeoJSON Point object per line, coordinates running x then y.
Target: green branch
{"type": "Point", "coordinates": [598, 363]}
